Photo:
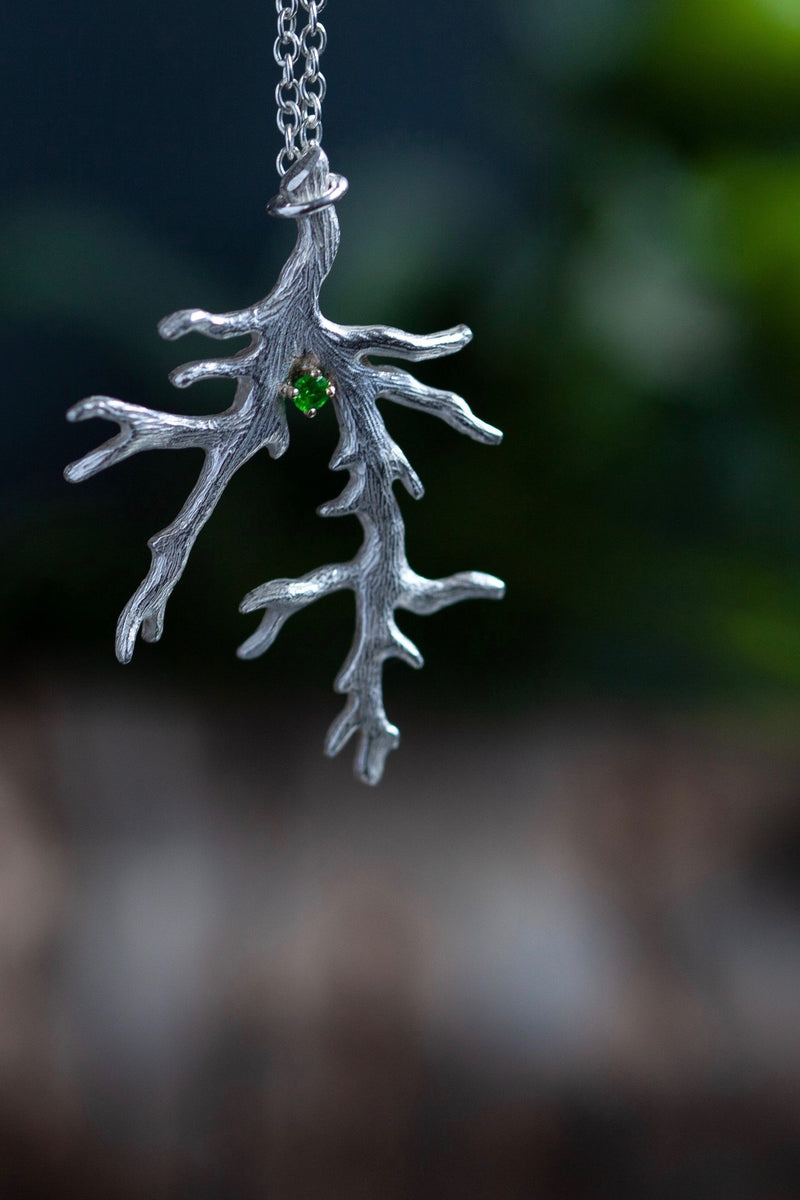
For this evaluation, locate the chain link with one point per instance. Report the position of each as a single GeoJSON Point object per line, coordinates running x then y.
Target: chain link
{"type": "Point", "coordinates": [300, 92]}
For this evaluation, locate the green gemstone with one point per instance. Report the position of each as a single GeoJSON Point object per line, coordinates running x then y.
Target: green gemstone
{"type": "Point", "coordinates": [312, 392]}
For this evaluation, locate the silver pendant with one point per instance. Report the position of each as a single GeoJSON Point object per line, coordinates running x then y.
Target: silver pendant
{"type": "Point", "coordinates": [292, 343]}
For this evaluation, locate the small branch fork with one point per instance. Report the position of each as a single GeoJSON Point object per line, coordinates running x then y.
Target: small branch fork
{"type": "Point", "coordinates": [287, 328]}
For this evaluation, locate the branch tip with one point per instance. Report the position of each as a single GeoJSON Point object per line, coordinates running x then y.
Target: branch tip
{"type": "Point", "coordinates": [396, 343]}
{"type": "Point", "coordinates": [402, 388]}
{"type": "Point", "coordinates": [376, 741]}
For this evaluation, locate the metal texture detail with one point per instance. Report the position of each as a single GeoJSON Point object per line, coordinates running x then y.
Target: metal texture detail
{"type": "Point", "coordinates": [287, 329]}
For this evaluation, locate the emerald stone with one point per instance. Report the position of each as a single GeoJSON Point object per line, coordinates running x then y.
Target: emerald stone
{"type": "Point", "coordinates": [312, 392]}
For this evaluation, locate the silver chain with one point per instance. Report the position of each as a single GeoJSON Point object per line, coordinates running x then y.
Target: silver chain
{"type": "Point", "coordinates": [300, 93]}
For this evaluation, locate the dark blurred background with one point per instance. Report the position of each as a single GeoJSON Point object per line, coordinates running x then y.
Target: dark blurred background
{"type": "Point", "coordinates": [557, 953]}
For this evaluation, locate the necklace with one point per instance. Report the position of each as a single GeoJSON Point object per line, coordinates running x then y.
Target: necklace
{"type": "Point", "coordinates": [297, 356]}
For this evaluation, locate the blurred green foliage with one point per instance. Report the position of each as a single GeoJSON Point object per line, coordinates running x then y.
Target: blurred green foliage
{"type": "Point", "coordinates": [633, 280]}
{"type": "Point", "coordinates": [732, 61]}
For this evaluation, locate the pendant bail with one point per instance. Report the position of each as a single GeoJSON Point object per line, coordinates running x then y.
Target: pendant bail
{"type": "Point", "coordinates": [299, 193]}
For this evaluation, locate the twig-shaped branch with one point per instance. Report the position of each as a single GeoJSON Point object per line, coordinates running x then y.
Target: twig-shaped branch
{"type": "Point", "coordinates": [255, 421]}
{"type": "Point", "coordinates": [406, 390]}
{"type": "Point", "coordinates": [379, 574]}
{"type": "Point", "coordinates": [287, 333]}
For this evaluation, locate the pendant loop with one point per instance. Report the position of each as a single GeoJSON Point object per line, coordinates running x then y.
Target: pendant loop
{"type": "Point", "coordinates": [284, 206]}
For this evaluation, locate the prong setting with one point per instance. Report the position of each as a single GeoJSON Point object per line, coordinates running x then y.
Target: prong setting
{"type": "Point", "coordinates": [307, 386]}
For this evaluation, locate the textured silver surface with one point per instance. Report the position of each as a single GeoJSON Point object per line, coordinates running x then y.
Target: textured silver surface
{"type": "Point", "coordinates": [286, 329]}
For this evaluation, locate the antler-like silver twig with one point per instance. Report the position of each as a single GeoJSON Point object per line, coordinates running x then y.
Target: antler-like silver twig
{"type": "Point", "coordinates": [287, 333]}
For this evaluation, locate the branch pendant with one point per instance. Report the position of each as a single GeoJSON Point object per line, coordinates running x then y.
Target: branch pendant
{"type": "Point", "coordinates": [297, 356]}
